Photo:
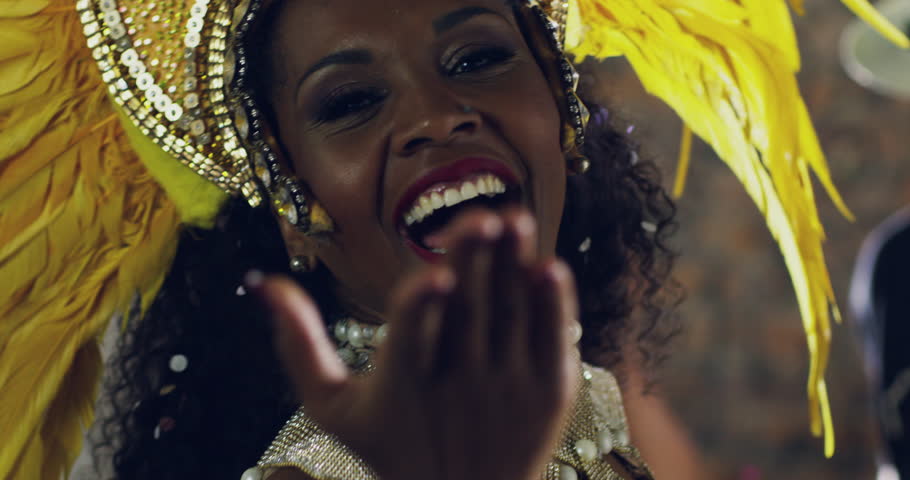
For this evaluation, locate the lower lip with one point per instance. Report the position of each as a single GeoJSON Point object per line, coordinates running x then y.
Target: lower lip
{"type": "Point", "coordinates": [427, 255]}
{"type": "Point", "coordinates": [460, 169]}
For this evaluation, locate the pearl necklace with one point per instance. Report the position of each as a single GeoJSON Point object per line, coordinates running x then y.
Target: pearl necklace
{"type": "Point", "coordinates": [357, 341]}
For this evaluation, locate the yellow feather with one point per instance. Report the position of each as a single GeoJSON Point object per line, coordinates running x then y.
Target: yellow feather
{"type": "Point", "coordinates": [84, 227]}
{"type": "Point", "coordinates": [873, 17]}
{"type": "Point", "coordinates": [685, 155]}
{"type": "Point", "coordinates": [728, 69]}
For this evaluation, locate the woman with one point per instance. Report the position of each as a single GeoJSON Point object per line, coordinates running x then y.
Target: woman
{"type": "Point", "coordinates": [376, 130]}
{"type": "Point", "coordinates": [373, 144]}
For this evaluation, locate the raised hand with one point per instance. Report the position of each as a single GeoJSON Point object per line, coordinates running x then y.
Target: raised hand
{"type": "Point", "coordinates": [477, 375]}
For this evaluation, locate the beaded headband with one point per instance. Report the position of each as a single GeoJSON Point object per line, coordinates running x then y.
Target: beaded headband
{"type": "Point", "coordinates": [92, 207]}
{"type": "Point", "coordinates": [178, 70]}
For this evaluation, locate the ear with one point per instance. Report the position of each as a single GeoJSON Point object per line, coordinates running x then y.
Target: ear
{"type": "Point", "coordinates": [298, 244]}
{"type": "Point", "coordinates": [305, 225]}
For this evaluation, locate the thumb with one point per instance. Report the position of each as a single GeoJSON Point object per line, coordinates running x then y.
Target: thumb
{"type": "Point", "coordinates": [304, 348]}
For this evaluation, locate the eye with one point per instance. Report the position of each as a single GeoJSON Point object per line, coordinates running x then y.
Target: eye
{"type": "Point", "coordinates": [478, 59]}
{"type": "Point", "coordinates": [348, 101]}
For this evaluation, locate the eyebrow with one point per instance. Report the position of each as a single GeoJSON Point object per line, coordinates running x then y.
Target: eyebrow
{"type": "Point", "coordinates": [364, 57]}
{"type": "Point", "coordinates": [344, 57]}
{"type": "Point", "coordinates": [453, 19]}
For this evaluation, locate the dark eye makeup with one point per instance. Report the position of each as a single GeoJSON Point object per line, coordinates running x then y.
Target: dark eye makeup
{"type": "Point", "coordinates": [348, 100]}
{"type": "Point", "coordinates": [475, 59]}
{"type": "Point", "coordinates": [355, 103]}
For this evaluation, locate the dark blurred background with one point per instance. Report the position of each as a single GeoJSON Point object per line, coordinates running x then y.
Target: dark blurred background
{"type": "Point", "coordinates": [737, 380]}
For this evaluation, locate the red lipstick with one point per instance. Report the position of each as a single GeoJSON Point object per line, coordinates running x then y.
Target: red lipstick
{"type": "Point", "coordinates": [439, 179]}
{"type": "Point", "coordinates": [454, 172]}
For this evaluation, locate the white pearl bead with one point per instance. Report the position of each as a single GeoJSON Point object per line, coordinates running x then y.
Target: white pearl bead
{"type": "Point", "coordinates": [347, 356]}
{"type": "Point", "coordinates": [381, 333]}
{"type": "Point", "coordinates": [586, 449]}
{"type": "Point", "coordinates": [252, 474]}
{"type": "Point", "coordinates": [363, 358]}
{"type": "Point", "coordinates": [605, 441]}
{"type": "Point", "coordinates": [341, 331]}
{"type": "Point", "coordinates": [622, 438]}
{"type": "Point", "coordinates": [368, 332]}
{"type": "Point", "coordinates": [567, 473]}
{"type": "Point", "coordinates": [355, 335]}
{"type": "Point", "coordinates": [178, 363]}
{"type": "Point", "coordinates": [575, 332]}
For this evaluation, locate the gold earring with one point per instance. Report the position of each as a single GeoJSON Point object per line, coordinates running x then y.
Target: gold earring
{"type": "Point", "coordinates": [579, 164]}
{"type": "Point", "coordinates": [303, 263]}
{"type": "Point", "coordinates": [291, 201]}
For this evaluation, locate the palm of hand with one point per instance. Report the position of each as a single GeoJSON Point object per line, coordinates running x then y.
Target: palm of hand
{"type": "Point", "coordinates": [477, 375]}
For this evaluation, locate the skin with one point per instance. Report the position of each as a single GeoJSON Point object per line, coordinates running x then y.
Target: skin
{"type": "Point", "coordinates": [456, 380]}
{"type": "Point", "coordinates": [478, 348]}
{"type": "Point", "coordinates": [359, 165]}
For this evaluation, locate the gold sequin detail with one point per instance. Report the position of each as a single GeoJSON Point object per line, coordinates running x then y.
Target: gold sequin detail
{"type": "Point", "coordinates": [303, 445]}
{"type": "Point", "coordinates": [170, 66]}
{"type": "Point", "coordinates": [163, 62]}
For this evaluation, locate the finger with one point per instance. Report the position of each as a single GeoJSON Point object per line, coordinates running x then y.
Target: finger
{"type": "Point", "coordinates": [473, 222]}
{"type": "Point", "coordinates": [414, 312]}
{"type": "Point", "coordinates": [464, 338]}
{"type": "Point", "coordinates": [510, 306]}
{"type": "Point", "coordinates": [303, 345]}
{"type": "Point", "coordinates": [555, 311]}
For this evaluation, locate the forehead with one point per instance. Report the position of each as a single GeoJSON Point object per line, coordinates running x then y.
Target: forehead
{"type": "Point", "coordinates": [312, 28]}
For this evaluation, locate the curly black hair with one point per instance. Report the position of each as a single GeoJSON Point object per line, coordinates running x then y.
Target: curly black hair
{"type": "Point", "coordinates": [215, 417]}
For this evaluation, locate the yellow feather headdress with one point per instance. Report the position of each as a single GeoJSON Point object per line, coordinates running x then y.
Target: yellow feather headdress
{"type": "Point", "coordinates": [92, 195]}
{"type": "Point", "coordinates": [728, 69]}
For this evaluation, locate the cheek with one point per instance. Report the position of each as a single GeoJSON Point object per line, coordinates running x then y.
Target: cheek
{"type": "Point", "coordinates": [533, 127]}
{"type": "Point", "coordinates": [343, 180]}
{"type": "Point", "coordinates": [342, 186]}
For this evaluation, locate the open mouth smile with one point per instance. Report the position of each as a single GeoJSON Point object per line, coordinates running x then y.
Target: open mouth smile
{"type": "Point", "coordinates": [438, 197]}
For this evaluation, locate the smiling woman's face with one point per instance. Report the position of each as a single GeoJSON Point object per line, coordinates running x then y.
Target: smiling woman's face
{"type": "Point", "coordinates": [392, 109]}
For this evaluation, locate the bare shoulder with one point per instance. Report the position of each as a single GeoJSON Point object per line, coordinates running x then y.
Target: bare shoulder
{"type": "Point", "coordinates": [289, 474]}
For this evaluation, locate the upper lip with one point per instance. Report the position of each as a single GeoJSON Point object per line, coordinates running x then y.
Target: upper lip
{"type": "Point", "coordinates": [452, 172]}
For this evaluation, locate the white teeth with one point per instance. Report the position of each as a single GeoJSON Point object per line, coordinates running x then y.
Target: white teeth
{"type": "Point", "coordinates": [436, 201]}
{"type": "Point", "coordinates": [491, 188]}
{"type": "Point", "coordinates": [482, 187]}
{"type": "Point", "coordinates": [498, 186]}
{"type": "Point", "coordinates": [468, 191]}
{"type": "Point", "coordinates": [452, 196]}
{"type": "Point", "coordinates": [428, 203]}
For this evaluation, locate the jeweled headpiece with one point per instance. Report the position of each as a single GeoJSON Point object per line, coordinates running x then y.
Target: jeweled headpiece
{"type": "Point", "coordinates": [122, 120]}
{"type": "Point", "coordinates": [178, 71]}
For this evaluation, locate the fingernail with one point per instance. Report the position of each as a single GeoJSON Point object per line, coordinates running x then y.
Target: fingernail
{"type": "Point", "coordinates": [553, 273]}
{"type": "Point", "coordinates": [491, 228]}
{"type": "Point", "coordinates": [253, 279]}
{"type": "Point", "coordinates": [524, 225]}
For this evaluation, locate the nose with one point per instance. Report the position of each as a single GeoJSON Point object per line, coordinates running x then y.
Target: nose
{"type": "Point", "coordinates": [432, 119]}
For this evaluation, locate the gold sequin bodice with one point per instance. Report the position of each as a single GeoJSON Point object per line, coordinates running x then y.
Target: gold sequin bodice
{"type": "Point", "coordinates": [594, 446]}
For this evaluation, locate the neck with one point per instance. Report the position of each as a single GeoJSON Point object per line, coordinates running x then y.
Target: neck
{"type": "Point", "coordinates": [351, 308]}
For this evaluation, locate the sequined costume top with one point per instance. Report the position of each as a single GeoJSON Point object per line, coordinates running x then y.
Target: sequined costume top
{"type": "Point", "coordinates": [594, 445]}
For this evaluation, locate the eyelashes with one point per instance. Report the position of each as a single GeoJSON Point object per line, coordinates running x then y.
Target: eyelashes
{"type": "Point", "coordinates": [355, 103]}
{"type": "Point", "coordinates": [475, 60]}
{"type": "Point", "coordinates": [348, 100]}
